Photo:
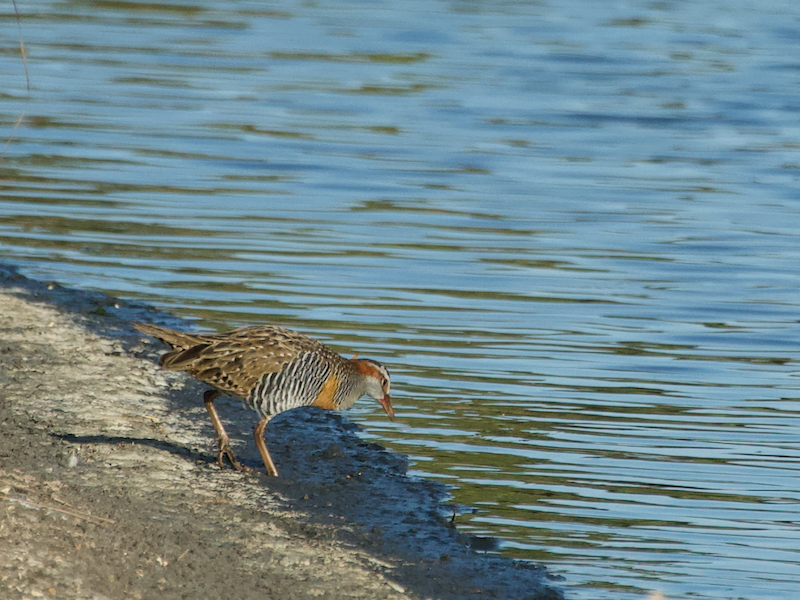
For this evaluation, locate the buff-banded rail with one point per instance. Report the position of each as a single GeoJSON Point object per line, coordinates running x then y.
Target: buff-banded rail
{"type": "Point", "coordinates": [272, 369]}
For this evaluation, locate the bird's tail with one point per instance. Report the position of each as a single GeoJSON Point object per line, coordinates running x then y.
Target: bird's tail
{"type": "Point", "coordinates": [172, 338]}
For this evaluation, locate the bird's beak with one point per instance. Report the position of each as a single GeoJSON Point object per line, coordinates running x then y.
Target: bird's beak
{"type": "Point", "coordinates": [386, 403]}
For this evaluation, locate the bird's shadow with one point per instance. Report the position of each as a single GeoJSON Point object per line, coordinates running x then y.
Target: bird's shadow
{"type": "Point", "coordinates": [171, 447]}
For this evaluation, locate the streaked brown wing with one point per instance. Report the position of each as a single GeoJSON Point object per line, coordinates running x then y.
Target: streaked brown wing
{"type": "Point", "coordinates": [235, 361]}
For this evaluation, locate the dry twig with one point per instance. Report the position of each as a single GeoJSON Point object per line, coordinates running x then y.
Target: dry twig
{"type": "Point", "coordinates": [73, 513]}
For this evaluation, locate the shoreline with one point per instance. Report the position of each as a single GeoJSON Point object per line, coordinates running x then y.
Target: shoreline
{"type": "Point", "coordinates": [110, 486]}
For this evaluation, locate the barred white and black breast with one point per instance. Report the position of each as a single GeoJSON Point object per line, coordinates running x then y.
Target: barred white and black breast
{"type": "Point", "coordinates": [298, 383]}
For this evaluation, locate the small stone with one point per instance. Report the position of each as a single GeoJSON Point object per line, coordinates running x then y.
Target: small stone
{"type": "Point", "coordinates": [333, 451]}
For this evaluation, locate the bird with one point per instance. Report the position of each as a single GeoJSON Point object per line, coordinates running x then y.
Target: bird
{"type": "Point", "coordinates": [272, 369]}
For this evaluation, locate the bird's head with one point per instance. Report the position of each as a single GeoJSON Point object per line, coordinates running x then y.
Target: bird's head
{"type": "Point", "coordinates": [377, 378]}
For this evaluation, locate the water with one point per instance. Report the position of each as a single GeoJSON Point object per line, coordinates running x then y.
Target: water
{"type": "Point", "coordinates": [569, 229]}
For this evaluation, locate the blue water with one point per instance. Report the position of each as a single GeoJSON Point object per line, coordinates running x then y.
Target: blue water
{"type": "Point", "coordinates": [569, 229]}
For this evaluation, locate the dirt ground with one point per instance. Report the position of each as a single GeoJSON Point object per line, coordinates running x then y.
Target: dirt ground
{"type": "Point", "coordinates": [109, 486]}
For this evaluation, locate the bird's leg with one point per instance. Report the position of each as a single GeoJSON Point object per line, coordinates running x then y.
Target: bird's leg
{"type": "Point", "coordinates": [258, 433]}
{"type": "Point", "coordinates": [223, 441]}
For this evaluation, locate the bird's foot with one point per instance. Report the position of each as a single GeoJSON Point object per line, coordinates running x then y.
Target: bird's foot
{"type": "Point", "coordinates": [226, 452]}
